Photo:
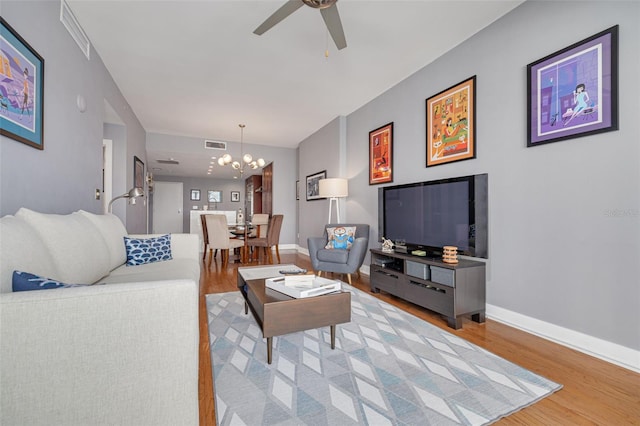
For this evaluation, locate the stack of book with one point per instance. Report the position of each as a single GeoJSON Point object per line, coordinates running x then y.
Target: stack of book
{"type": "Point", "coordinates": [301, 286]}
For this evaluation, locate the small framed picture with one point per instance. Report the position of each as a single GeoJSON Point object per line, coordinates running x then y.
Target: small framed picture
{"type": "Point", "coordinates": [214, 196]}
{"type": "Point", "coordinates": [381, 155]}
{"type": "Point", "coordinates": [297, 190]}
{"type": "Point", "coordinates": [313, 185]}
{"type": "Point", "coordinates": [235, 196]}
{"type": "Point", "coordinates": [195, 195]}
{"type": "Point", "coordinates": [138, 172]}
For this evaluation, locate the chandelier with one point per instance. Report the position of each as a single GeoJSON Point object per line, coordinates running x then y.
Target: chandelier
{"type": "Point", "coordinates": [246, 159]}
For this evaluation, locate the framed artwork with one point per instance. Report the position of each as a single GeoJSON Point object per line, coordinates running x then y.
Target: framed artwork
{"type": "Point", "coordinates": [235, 196]}
{"type": "Point", "coordinates": [214, 196]}
{"type": "Point", "coordinates": [138, 173]}
{"type": "Point", "coordinates": [574, 91]}
{"type": "Point", "coordinates": [21, 89]}
{"type": "Point", "coordinates": [451, 124]}
{"type": "Point", "coordinates": [381, 155]}
{"type": "Point", "coordinates": [297, 190]}
{"type": "Point", "coordinates": [195, 195]}
{"type": "Point", "coordinates": [313, 185]}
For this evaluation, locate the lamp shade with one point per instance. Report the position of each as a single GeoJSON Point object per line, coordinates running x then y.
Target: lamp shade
{"type": "Point", "coordinates": [334, 188]}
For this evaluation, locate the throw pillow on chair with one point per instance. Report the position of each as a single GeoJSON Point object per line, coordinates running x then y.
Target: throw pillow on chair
{"type": "Point", "coordinates": [340, 237]}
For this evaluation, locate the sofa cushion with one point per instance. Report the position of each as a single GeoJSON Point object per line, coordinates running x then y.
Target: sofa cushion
{"type": "Point", "coordinates": [174, 269]}
{"type": "Point", "coordinates": [112, 230]}
{"type": "Point", "coordinates": [340, 237]}
{"type": "Point", "coordinates": [147, 250]}
{"type": "Point", "coordinates": [21, 248]}
{"type": "Point", "coordinates": [24, 281]}
{"type": "Point", "coordinates": [79, 252]}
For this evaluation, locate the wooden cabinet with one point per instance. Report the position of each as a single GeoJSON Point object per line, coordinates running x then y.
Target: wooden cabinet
{"type": "Point", "coordinates": [253, 195]}
{"type": "Point", "coordinates": [267, 189]}
{"type": "Point", "coordinates": [452, 290]}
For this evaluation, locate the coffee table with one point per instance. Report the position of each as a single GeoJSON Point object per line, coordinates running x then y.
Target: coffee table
{"type": "Point", "coordinates": [278, 314]}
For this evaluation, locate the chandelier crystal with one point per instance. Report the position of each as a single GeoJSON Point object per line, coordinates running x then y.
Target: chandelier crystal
{"type": "Point", "coordinates": [247, 159]}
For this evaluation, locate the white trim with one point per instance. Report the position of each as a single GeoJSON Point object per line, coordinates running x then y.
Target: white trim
{"type": "Point", "coordinates": [611, 352]}
{"type": "Point", "coordinates": [72, 25]}
{"type": "Point", "coordinates": [602, 349]}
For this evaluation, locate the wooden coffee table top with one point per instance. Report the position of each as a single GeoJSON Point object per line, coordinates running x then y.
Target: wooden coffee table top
{"type": "Point", "coordinates": [278, 314]}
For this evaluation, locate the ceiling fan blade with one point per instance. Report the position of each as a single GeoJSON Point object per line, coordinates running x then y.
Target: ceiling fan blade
{"type": "Point", "coordinates": [285, 10]}
{"type": "Point", "coordinates": [334, 25]}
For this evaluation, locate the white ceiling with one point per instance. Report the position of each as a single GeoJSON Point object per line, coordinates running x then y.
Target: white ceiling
{"type": "Point", "coordinates": [195, 68]}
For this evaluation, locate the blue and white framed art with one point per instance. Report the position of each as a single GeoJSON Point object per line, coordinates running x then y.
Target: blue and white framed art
{"type": "Point", "coordinates": [21, 89]}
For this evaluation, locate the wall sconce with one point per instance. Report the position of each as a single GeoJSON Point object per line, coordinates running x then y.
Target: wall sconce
{"type": "Point", "coordinates": [131, 195]}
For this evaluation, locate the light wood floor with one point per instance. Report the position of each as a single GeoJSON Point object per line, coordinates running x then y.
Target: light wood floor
{"type": "Point", "coordinates": [595, 392]}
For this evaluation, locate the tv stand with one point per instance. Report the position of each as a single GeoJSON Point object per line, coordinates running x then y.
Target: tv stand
{"type": "Point", "coordinates": [453, 290]}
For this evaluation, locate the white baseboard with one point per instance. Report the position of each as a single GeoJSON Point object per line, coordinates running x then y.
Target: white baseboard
{"type": "Point", "coordinates": [602, 349]}
{"type": "Point", "coordinates": [611, 352]}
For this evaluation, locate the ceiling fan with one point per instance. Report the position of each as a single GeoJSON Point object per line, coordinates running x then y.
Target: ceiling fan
{"type": "Point", "coordinates": [328, 9]}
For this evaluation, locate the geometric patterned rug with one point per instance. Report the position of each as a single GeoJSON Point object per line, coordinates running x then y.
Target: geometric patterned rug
{"type": "Point", "coordinates": [389, 368]}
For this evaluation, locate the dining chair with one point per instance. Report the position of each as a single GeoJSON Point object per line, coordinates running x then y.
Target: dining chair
{"type": "Point", "coordinates": [272, 239]}
{"type": "Point", "coordinates": [218, 236]}
{"type": "Point", "coordinates": [205, 237]}
{"type": "Point", "coordinates": [260, 222]}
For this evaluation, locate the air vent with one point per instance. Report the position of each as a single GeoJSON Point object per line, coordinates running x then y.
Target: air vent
{"type": "Point", "coordinates": [174, 162]}
{"type": "Point", "coordinates": [215, 145]}
{"type": "Point", "coordinates": [71, 24]}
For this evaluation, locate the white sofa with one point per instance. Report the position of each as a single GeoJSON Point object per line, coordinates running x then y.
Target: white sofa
{"type": "Point", "coordinates": [123, 353]}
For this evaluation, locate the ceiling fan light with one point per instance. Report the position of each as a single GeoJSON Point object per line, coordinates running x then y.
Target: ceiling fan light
{"type": "Point", "coordinates": [319, 4]}
{"type": "Point", "coordinates": [247, 158]}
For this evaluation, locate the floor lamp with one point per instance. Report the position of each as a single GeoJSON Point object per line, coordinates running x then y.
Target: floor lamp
{"type": "Point", "coordinates": [131, 195]}
{"type": "Point", "coordinates": [334, 188]}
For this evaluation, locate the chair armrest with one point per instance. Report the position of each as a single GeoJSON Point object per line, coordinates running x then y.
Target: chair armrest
{"type": "Point", "coordinates": [120, 353]}
{"type": "Point", "coordinates": [357, 252]}
{"type": "Point", "coordinates": [182, 245]}
{"type": "Point", "coordinates": [314, 244]}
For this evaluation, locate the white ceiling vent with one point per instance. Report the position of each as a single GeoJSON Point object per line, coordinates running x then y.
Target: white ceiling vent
{"type": "Point", "coordinates": [71, 24]}
{"type": "Point", "coordinates": [215, 145]}
{"type": "Point", "coordinates": [174, 162]}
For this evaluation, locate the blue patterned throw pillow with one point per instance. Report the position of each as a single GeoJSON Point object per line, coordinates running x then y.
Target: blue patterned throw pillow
{"type": "Point", "coordinates": [147, 250]}
{"type": "Point", "coordinates": [24, 281]}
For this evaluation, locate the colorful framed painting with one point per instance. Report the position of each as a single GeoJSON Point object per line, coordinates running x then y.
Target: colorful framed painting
{"type": "Point", "coordinates": [138, 173]}
{"type": "Point", "coordinates": [574, 92]}
{"type": "Point", "coordinates": [451, 124]}
{"type": "Point", "coordinates": [21, 89]}
{"type": "Point", "coordinates": [381, 155]}
{"type": "Point", "coordinates": [313, 185]}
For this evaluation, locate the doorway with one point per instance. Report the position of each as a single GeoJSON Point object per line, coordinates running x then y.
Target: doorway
{"type": "Point", "coordinates": [168, 214]}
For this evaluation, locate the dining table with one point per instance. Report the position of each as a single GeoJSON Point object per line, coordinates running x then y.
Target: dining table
{"type": "Point", "coordinates": [243, 232]}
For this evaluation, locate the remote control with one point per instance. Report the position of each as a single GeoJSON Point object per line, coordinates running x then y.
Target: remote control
{"type": "Point", "coordinates": [293, 271]}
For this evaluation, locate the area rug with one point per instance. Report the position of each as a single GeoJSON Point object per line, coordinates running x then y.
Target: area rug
{"type": "Point", "coordinates": [388, 368]}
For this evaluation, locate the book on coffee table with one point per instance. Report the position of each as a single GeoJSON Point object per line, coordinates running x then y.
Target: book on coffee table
{"type": "Point", "coordinates": [303, 289]}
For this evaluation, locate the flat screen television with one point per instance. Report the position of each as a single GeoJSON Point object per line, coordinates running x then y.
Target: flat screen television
{"type": "Point", "coordinates": [430, 215]}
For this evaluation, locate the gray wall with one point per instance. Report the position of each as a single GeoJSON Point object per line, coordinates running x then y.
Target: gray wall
{"type": "Point", "coordinates": [204, 184]}
{"type": "Point", "coordinates": [323, 150]}
{"type": "Point", "coordinates": [564, 229]}
{"type": "Point", "coordinates": [63, 178]}
{"type": "Point", "coordinates": [285, 163]}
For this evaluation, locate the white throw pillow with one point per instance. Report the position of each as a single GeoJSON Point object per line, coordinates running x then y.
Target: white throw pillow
{"type": "Point", "coordinates": [79, 252]}
{"type": "Point", "coordinates": [22, 249]}
{"type": "Point", "coordinates": [113, 231]}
